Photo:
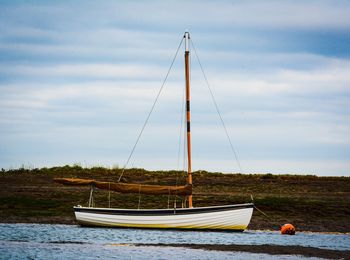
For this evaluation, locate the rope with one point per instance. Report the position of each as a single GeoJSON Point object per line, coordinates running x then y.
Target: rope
{"type": "Point", "coordinates": [181, 125]}
{"type": "Point", "coordinates": [262, 212]}
{"type": "Point", "coordinates": [169, 199]}
{"type": "Point", "coordinates": [180, 139]}
{"type": "Point", "coordinates": [268, 217]}
{"type": "Point", "coordinates": [216, 107]}
{"type": "Point", "coordinates": [149, 114]}
{"type": "Point", "coordinates": [138, 207]}
{"type": "Point", "coordinates": [91, 198]}
{"type": "Point", "coordinates": [109, 194]}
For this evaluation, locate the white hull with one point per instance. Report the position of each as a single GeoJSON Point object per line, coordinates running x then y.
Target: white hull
{"type": "Point", "coordinates": [229, 217]}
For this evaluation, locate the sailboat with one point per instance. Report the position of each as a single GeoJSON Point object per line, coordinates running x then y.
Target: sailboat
{"type": "Point", "coordinates": [226, 217]}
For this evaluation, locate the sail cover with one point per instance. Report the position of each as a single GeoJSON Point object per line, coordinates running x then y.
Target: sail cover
{"type": "Point", "coordinates": [128, 187]}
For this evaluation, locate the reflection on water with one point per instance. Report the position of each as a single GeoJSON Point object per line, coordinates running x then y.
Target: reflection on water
{"type": "Point", "coordinates": [38, 241]}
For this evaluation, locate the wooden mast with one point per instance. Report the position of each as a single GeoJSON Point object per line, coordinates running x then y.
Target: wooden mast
{"type": "Point", "coordinates": [188, 114]}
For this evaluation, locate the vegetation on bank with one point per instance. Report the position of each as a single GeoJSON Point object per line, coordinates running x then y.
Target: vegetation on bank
{"type": "Point", "coordinates": [309, 202]}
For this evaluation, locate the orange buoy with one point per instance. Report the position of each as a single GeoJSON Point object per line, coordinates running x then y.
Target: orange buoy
{"type": "Point", "coordinates": [288, 229]}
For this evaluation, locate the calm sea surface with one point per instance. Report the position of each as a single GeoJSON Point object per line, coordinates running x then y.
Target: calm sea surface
{"type": "Point", "coordinates": [41, 241]}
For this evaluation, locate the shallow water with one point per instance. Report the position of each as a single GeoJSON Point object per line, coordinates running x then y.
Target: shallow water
{"type": "Point", "coordinates": [20, 250]}
{"type": "Point", "coordinates": [42, 241]}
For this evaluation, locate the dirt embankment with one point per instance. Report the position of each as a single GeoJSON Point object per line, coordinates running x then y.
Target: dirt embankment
{"type": "Point", "coordinates": [309, 202]}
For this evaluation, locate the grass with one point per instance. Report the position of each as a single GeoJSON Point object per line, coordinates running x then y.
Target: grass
{"type": "Point", "coordinates": [309, 202]}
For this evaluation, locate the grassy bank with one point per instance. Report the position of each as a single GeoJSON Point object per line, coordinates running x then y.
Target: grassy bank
{"type": "Point", "coordinates": [309, 202]}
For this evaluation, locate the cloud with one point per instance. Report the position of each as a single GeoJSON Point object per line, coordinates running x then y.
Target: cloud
{"type": "Point", "coordinates": [96, 71]}
{"type": "Point", "coordinates": [78, 79]}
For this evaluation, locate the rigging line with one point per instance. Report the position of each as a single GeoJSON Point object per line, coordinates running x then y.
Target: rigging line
{"type": "Point", "coordinates": [216, 107]}
{"type": "Point", "coordinates": [180, 141]}
{"type": "Point", "coordinates": [184, 157]}
{"type": "Point", "coordinates": [109, 194]}
{"type": "Point", "coordinates": [150, 112]}
{"type": "Point", "coordinates": [138, 207]}
{"type": "Point", "coordinates": [181, 125]}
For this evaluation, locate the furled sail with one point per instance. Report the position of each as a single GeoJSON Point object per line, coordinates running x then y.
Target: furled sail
{"type": "Point", "coordinates": [128, 187]}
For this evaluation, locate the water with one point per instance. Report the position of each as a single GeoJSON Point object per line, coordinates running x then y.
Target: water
{"type": "Point", "coordinates": [42, 241]}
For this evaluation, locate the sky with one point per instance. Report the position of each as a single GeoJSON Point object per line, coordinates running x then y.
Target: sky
{"type": "Point", "coordinates": [78, 79]}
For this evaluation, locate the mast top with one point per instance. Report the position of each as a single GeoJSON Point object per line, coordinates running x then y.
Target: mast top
{"type": "Point", "coordinates": [187, 37]}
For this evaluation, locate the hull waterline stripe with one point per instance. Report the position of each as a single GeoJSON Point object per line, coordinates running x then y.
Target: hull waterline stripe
{"type": "Point", "coordinates": [221, 228]}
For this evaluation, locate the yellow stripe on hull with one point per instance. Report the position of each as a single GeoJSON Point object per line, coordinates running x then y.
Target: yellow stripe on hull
{"type": "Point", "coordinates": [158, 226]}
